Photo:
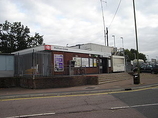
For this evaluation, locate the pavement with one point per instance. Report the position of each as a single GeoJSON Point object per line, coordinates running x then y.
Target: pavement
{"type": "Point", "coordinates": [146, 80]}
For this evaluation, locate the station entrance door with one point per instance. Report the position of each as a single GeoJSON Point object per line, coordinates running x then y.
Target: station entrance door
{"type": "Point", "coordinates": [103, 65]}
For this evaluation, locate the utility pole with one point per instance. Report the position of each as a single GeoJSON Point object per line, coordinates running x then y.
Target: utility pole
{"type": "Point", "coordinates": [103, 21]}
{"type": "Point", "coordinates": [136, 80]}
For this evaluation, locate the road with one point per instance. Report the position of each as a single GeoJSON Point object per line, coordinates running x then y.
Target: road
{"type": "Point", "coordinates": [146, 102]}
{"type": "Point", "coordinates": [124, 104]}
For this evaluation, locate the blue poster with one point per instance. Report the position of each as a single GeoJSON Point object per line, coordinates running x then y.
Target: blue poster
{"type": "Point", "coordinates": [58, 62]}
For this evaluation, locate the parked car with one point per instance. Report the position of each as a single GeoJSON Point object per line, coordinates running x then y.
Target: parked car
{"type": "Point", "coordinates": [155, 69]}
{"type": "Point", "coordinates": [146, 68]}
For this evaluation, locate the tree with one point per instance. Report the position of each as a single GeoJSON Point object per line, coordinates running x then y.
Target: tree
{"type": "Point", "coordinates": [132, 54]}
{"type": "Point", "coordinates": [15, 36]}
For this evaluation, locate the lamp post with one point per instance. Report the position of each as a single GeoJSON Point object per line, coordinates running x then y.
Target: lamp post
{"type": "Point", "coordinates": [114, 39]}
{"type": "Point", "coordinates": [122, 42]}
{"type": "Point", "coordinates": [124, 53]}
{"type": "Point", "coordinates": [148, 58]}
{"type": "Point", "coordinates": [137, 78]}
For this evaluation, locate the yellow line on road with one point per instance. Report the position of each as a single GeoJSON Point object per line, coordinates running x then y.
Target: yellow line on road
{"type": "Point", "coordinates": [77, 95]}
{"type": "Point", "coordinates": [53, 96]}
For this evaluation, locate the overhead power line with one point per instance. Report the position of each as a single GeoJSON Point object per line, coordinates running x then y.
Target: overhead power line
{"type": "Point", "coordinates": [115, 13]}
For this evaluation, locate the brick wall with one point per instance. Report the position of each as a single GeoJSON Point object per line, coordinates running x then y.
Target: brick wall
{"type": "Point", "coordinates": [6, 82]}
{"type": "Point", "coordinates": [58, 82]}
{"type": "Point", "coordinates": [69, 56]}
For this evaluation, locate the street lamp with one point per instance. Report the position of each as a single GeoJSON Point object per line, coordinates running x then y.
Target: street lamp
{"type": "Point", "coordinates": [122, 42]}
{"type": "Point", "coordinates": [114, 39]}
{"type": "Point", "coordinates": [148, 58]}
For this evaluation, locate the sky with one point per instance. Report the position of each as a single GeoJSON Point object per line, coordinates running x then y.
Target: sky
{"type": "Point", "coordinates": [72, 22]}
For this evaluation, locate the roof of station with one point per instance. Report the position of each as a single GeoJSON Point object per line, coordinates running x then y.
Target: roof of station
{"type": "Point", "coordinates": [60, 48]}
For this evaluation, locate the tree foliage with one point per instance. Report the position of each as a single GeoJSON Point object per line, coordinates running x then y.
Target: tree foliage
{"type": "Point", "coordinates": [132, 54]}
{"type": "Point", "coordinates": [15, 36]}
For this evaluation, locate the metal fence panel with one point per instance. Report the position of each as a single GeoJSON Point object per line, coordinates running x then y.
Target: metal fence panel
{"type": "Point", "coordinates": [35, 63]}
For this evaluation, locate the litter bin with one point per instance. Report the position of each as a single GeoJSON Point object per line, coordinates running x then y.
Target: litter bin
{"type": "Point", "coordinates": [136, 78]}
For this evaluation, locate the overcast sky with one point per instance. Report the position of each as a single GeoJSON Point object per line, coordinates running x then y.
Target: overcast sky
{"type": "Point", "coordinates": [74, 22]}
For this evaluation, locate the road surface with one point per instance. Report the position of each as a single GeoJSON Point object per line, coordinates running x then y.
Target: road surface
{"type": "Point", "coordinates": [123, 104]}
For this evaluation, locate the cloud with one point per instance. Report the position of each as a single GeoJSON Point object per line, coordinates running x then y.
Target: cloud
{"type": "Point", "coordinates": [80, 21]}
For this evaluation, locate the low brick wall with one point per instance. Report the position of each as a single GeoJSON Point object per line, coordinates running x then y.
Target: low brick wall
{"type": "Point", "coordinates": [92, 80]}
{"type": "Point", "coordinates": [58, 82]}
{"type": "Point", "coordinates": [26, 82]}
{"type": "Point", "coordinates": [7, 82]}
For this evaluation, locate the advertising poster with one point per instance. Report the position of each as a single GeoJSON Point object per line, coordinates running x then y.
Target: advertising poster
{"type": "Point", "coordinates": [58, 62]}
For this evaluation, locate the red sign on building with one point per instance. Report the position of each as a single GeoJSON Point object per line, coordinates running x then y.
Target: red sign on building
{"type": "Point", "coordinates": [47, 47]}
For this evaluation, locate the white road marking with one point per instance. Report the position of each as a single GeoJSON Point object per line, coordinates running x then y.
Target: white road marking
{"type": "Point", "coordinates": [134, 106]}
{"type": "Point", "coordinates": [145, 105]}
{"type": "Point", "coordinates": [122, 107]}
{"type": "Point", "coordinates": [31, 115]}
{"type": "Point", "coordinates": [112, 108]}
